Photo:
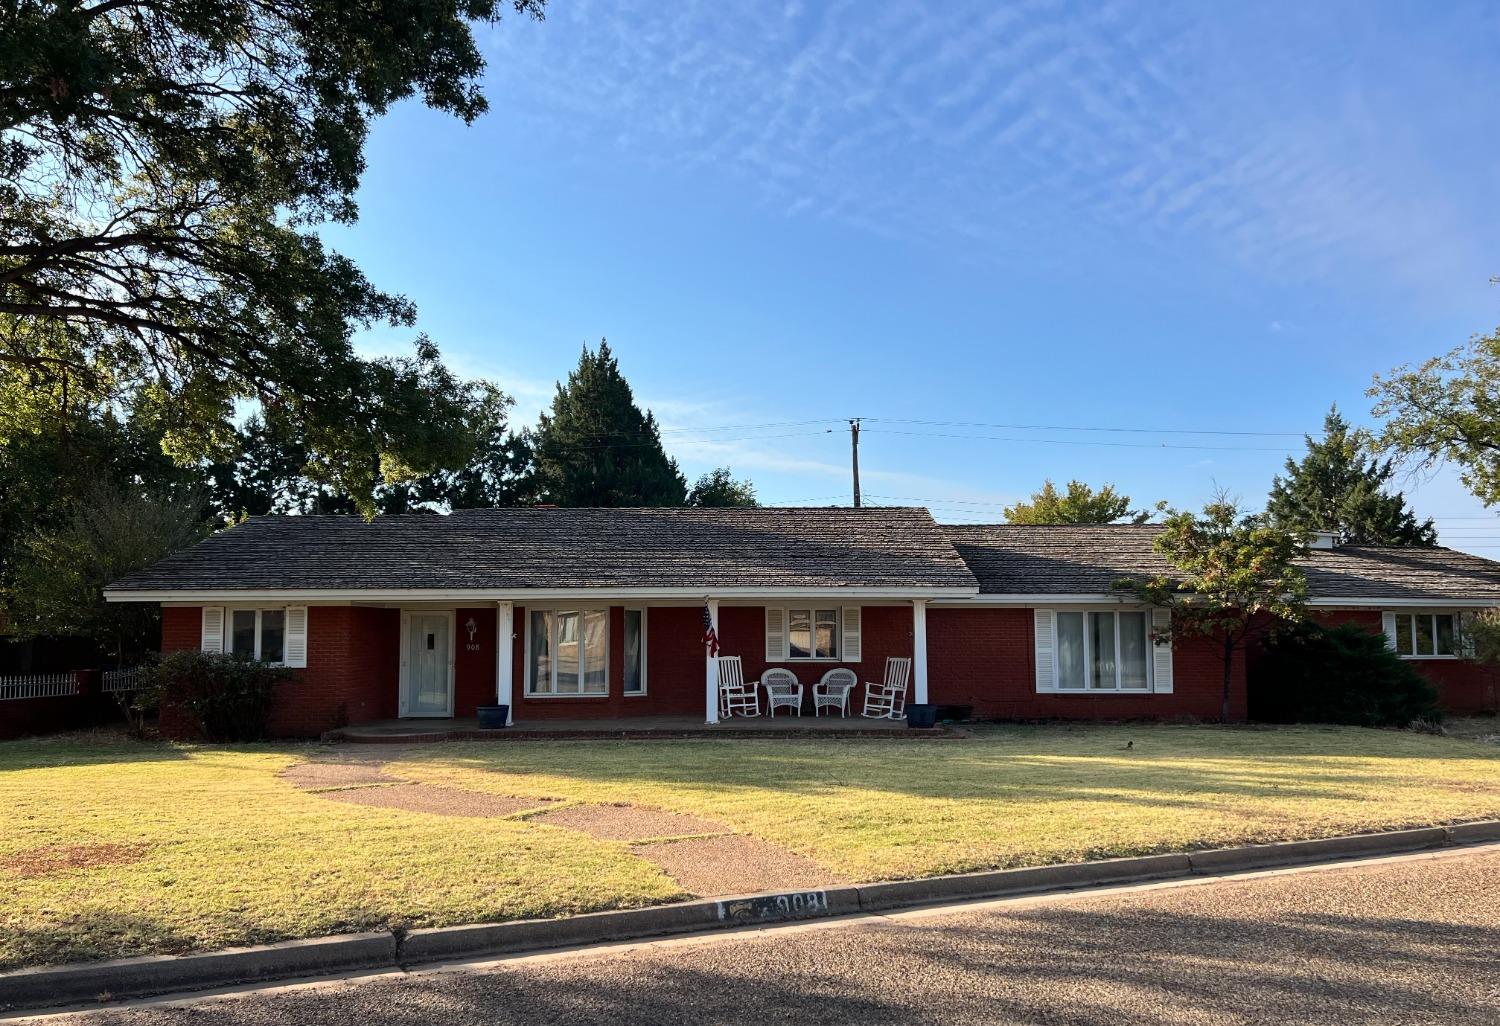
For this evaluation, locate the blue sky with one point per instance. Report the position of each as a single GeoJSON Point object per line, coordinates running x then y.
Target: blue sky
{"type": "Point", "coordinates": [1169, 218]}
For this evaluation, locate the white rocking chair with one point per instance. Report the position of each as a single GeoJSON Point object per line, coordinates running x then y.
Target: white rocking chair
{"type": "Point", "coordinates": [833, 690]}
{"type": "Point", "coordinates": [887, 700]}
{"type": "Point", "coordinates": [736, 698]}
{"type": "Point", "coordinates": [783, 689]}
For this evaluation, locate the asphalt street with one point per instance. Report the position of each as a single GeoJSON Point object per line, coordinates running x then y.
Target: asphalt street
{"type": "Point", "coordinates": [1407, 940]}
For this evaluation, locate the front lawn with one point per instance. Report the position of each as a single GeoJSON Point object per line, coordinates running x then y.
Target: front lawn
{"type": "Point", "coordinates": [115, 848]}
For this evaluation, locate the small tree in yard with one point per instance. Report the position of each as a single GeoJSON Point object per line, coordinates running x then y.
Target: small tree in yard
{"type": "Point", "coordinates": [1235, 573]}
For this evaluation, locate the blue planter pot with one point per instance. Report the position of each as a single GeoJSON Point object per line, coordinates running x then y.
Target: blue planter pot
{"type": "Point", "coordinates": [493, 717]}
{"type": "Point", "coordinates": [921, 714]}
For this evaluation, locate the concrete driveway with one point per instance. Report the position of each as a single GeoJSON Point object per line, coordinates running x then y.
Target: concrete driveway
{"type": "Point", "coordinates": [1414, 939]}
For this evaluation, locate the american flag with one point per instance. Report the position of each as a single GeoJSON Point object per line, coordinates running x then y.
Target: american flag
{"type": "Point", "coordinates": [710, 636]}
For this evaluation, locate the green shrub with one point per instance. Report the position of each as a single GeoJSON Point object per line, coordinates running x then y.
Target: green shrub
{"type": "Point", "coordinates": [228, 697]}
{"type": "Point", "coordinates": [1345, 674]}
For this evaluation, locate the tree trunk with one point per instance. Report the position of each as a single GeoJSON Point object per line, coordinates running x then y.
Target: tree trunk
{"type": "Point", "coordinates": [1228, 677]}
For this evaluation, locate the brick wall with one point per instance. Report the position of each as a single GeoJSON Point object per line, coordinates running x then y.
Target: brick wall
{"type": "Point", "coordinates": [986, 658]}
{"type": "Point", "coordinates": [353, 664]}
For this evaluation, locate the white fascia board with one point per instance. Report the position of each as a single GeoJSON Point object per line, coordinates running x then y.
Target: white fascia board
{"type": "Point", "coordinates": [1403, 603]}
{"type": "Point", "coordinates": [339, 595]}
{"type": "Point", "coordinates": [1039, 600]}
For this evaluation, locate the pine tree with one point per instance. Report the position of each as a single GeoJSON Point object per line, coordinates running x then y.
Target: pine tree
{"type": "Point", "coordinates": [1339, 486]}
{"type": "Point", "coordinates": [597, 448]}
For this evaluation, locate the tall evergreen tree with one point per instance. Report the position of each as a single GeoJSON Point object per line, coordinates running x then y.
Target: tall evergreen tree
{"type": "Point", "coordinates": [1339, 486]}
{"type": "Point", "coordinates": [597, 448]}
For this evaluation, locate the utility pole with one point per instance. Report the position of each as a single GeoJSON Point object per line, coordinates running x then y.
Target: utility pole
{"type": "Point", "coordinates": [854, 445]}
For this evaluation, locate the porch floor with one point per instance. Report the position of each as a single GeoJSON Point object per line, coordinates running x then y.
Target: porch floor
{"type": "Point", "coordinates": [411, 731]}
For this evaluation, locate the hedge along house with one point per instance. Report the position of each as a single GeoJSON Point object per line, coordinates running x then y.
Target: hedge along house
{"type": "Point", "coordinates": [599, 613]}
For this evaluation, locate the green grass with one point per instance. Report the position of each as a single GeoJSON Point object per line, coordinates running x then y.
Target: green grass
{"type": "Point", "coordinates": [231, 854]}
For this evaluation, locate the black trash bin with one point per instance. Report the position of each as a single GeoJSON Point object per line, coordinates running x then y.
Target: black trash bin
{"type": "Point", "coordinates": [493, 717]}
{"type": "Point", "coordinates": [921, 714]}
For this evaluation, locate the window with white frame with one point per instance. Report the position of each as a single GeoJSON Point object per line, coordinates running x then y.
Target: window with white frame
{"type": "Point", "coordinates": [812, 633]}
{"type": "Point", "coordinates": [568, 652]}
{"type": "Point", "coordinates": [634, 682]}
{"type": "Point", "coordinates": [1426, 634]}
{"type": "Point", "coordinates": [257, 634]}
{"type": "Point", "coordinates": [1103, 650]}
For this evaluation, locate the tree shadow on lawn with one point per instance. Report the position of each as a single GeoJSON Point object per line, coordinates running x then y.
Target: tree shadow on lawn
{"type": "Point", "coordinates": [48, 753]}
{"type": "Point", "coordinates": [95, 935]}
{"type": "Point", "coordinates": [1074, 967]}
{"type": "Point", "coordinates": [1176, 779]}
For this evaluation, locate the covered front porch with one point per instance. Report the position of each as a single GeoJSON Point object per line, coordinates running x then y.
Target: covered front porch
{"type": "Point", "coordinates": [423, 731]}
{"type": "Point", "coordinates": [582, 660]}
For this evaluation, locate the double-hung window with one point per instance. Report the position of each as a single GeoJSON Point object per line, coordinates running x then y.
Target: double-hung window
{"type": "Point", "coordinates": [635, 652]}
{"type": "Point", "coordinates": [1103, 650]}
{"type": "Point", "coordinates": [813, 633]}
{"type": "Point", "coordinates": [568, 652]}
{"type": "Point", "coordinates": [1426, 634]}
{"type": "Point", "coordinates": [258, 634]}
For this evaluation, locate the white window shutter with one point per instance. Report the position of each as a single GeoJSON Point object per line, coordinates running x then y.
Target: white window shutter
{"type": "Point", "coordinates": [1388, 625]}
{"type": "Point", "coordinates": [776, 640]}
{"type": "Point", "coordinates": [850, 650]}
{"type": "Point", "coordinates": [1046, 649]}
{"type": "Point", "coordinates": [213, 629]}
{"type": "Point", "coordinates": [295, 650]}
{"type": "Point", "coordinates": [1161, 652]}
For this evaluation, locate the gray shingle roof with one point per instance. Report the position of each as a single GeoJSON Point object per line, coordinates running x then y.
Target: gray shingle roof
{"type": "Point", "coordinates": [1023, 560]}
{"type": "Point", "coordinates": [571, 548]}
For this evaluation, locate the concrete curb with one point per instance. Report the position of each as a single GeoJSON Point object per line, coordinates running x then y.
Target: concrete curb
{"type": "Point", "coordinates": [52, 986]}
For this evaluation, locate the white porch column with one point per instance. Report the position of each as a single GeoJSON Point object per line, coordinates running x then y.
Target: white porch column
{"type": "Point", "coordinates": [711, 670]}
{"type": "Point", "coordinates": [505, 629]}
{"type": "Point", "coordinates": [919, 650]}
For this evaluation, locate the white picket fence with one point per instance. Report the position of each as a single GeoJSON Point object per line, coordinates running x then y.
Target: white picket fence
{"type": "Point", "coordinates": [121, 680]}
{"type": "Point", "coordinates": [38, 685]}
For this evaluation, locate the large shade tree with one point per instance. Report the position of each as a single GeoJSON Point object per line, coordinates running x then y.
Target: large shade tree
{"type": "Point", "coordinates": [1080, 504]}
{"type": "Point", "coordinates": [598, 448]}
{"type": "Point", "coordinates": [163, 164]}
{"type": "Point", "coordinates": [1447, 410]}
{"type": "Point", "coordinates": [1339, 486]}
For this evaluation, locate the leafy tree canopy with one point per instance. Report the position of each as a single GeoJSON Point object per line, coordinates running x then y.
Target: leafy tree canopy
{"type": "Point", "coordinates": [597, 447]}
{"type": "Point", "coordinates": [161, 163]}
{"type": "Point", "coordinates": [1080, 505]}
{"type": "Point", "coordinates": [1235, 573]}
{"type": "Point", "coordinates": [719, 488]}
{"type": "Point", "coordinates": [60, 573]}
{"type": "Point", "coordinates": [1447, 410]}
{"type": "Point", "coordinates": [1338, 486]}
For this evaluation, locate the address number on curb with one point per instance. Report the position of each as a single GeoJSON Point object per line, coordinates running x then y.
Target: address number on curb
{"type": "Point", "coordinates": [774, 906]}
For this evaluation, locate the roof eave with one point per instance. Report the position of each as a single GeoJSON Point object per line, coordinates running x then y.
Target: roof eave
{"type": "Point", "coordinates": [521, 595]}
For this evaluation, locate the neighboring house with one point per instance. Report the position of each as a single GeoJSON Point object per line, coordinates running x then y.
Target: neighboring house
{"type": "Point", "coordinates": [601, 612]}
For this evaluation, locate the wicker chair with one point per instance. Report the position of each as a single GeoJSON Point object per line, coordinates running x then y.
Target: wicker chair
{"type": "Point", "coordinates": [782, 689]}
{"type": "Point", "coordinates": [833, 690]}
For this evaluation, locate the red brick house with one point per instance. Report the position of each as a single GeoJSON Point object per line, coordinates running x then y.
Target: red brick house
{"type": "Point", "coordinates": [599, 613]}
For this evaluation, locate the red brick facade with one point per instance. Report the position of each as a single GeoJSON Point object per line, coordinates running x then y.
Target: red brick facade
{"type": "Point", "coordinates": [982, 657]}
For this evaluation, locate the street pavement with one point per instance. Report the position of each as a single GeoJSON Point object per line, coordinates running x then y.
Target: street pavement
{"type": "Point", "coordinates": [1414, 939]}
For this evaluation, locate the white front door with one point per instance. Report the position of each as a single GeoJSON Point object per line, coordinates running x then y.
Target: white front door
{"type": "Point", "coordinates": [427, 665]}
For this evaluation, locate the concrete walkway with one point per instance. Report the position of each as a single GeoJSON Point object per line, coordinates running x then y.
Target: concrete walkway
{"type": "Point", "coordinates": [1406, 939]}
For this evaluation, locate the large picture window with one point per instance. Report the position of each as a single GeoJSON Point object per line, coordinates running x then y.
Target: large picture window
{"type": "Point", "coordinates": [568, 652]}
{"type": "Point", "coordinates": [1103, 651]}
{"type": "Point", "coordinates": [1426, 634]}
{"type": "Point", "coordinates": [812, 633]}
{"type": "Point", "coordinates": [258, 634]}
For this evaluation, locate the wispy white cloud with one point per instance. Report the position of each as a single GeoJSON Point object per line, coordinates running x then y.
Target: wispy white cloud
{"type": "Point", "coordinates": [1017, 128]}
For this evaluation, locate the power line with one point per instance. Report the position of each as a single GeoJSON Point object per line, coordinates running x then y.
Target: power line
{"type": "Point", "coordinates": [1074, 427]}
{"type": "Point", "coordinates": [1074, 441]}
